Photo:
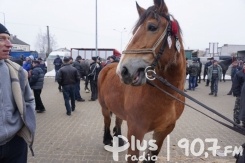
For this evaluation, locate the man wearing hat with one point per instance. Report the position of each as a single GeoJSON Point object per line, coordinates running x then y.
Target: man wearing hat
{"type": "Point", "coordinates": [36, 82]}
{"type": "Point", "coordinates": [94, 70]}
{"type": "Point", "coordinates": [17, 106]}
{"type": "Point", "coordinates": [67, 77]}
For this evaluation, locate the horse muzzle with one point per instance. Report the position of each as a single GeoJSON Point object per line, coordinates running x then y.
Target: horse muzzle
{"type": "Point", "coordinates": [132, 75]}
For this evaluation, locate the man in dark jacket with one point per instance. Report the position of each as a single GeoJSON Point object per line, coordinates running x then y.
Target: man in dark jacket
{"type": "Point", "coordinates": [235, 68]}
{"type": "Point", "coordinates": [206, 70]}
{"type": "Point", "coordinates": [94, 70]}
{"type": "Point", "coordinates": [80, 70]}
{"type": "Point", "coordinates": [36, 83]}
{"type": "Point", "coordinates": [193, 72]}
{"type": "Point", "coordinates": [67, 77]}
{"type": "Point", "coordinates": [57, 65]}
{"type": "Point", "coordinates": [238, 87]}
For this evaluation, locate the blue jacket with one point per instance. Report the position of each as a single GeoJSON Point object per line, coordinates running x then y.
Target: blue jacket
{"type": "Point", "coordinates": [27, 66]}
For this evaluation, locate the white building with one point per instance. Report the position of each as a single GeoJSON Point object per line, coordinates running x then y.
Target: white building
{"type": "Point", "coordinates": [225, 50]}
{"type": "Point", "coordinates": [18, 44]}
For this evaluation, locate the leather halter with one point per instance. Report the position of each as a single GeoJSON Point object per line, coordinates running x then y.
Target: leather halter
{"type": "Point", "coordinates": [162, 38]}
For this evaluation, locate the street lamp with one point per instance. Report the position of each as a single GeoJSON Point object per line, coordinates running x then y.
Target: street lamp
{"type": "Point", "coordinates": [3, 18]}
{"type": "Point", "coordinates": [123, 30]}
{"type": "Point", "coordinates": [96, 30]}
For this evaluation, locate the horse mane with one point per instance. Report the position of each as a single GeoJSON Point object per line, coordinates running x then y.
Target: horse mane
{"type": "Point", "coordinates": [151, 12]}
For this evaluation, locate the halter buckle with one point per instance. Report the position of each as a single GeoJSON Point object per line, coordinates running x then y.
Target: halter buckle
{"type": "Point", "coordinates": [149, 73]}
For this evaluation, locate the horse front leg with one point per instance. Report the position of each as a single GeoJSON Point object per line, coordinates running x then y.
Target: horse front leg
{"type": "Point", "coordinates": [159, 136]}
{"type": "Point", "coordinates": [137, 134]}
{"type": "Point", "coordinates": [107, 139]}
{"type": "Point", "coordinates": [117, 130]}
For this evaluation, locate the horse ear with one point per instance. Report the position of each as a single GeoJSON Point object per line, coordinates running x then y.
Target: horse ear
{"type": "Point", "coordinates": [161, 6]}
{"type": "Point", "coordinates": [140, 9]}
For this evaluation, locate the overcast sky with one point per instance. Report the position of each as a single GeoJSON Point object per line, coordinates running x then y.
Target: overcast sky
{"type": "Point", "coordinates": [72, 22]}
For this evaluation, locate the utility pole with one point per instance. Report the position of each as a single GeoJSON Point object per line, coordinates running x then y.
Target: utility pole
{"type": "Point", "coordinates": [48, 50]}
{"type": "Point", "coordinates": [3, 18]}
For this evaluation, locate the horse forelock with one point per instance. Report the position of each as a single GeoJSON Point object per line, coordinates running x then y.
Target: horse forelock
{"type": "Point", "coordinates": [151, 12]}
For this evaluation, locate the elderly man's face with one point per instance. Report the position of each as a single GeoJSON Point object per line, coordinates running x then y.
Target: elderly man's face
{"type": "Point", "coordinates": [5, 46]}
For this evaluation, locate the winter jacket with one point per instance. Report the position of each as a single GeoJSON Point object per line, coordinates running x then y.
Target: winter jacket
{"type": "Point", "coordinates": [24, 100]}
{"type": "Point", "coordinates": [57, 63]}
{"type": "Point", "coordinates": [193, 69]}
{"type": "Point", "coordinates": [27, 65]}
{"type": "Point", "coordinates": [79, 67]}
{"type": "Point", "coordinates": [37, 78]}
{"type": "Point", "coordinates": [68, 75]}
{"type": "Point", "coordinates": [238, 83]}
{"type": "Point", "coordinates": [94, 70]}
{"type": "Point", "coordinates": [210, 71]}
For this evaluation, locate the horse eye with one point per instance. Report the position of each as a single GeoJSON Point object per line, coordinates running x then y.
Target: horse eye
{"type": "Point", "coordinates": [152, 28]}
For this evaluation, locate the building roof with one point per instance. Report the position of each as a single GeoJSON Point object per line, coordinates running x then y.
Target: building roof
{"type": "Point", "coordinates": [15, 40]}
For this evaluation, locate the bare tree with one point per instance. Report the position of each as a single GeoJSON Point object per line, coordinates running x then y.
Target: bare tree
{"type": "Point", "coordinates": [42, 42]}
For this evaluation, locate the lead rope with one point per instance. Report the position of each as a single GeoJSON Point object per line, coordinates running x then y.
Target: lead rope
{"type": "Point", "coordinates": [153, 75]}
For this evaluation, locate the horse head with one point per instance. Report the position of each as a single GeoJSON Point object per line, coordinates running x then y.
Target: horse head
{"type": "Point", "coordinates": [156, 40]}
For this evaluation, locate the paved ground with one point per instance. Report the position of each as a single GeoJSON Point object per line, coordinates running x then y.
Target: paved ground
{"type": "Point", "coordinates": [78, 138]}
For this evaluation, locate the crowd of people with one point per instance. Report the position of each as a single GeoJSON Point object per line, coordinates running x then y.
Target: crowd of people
{"type": "Point", "coordinates": [214, 73]}
{"type": "Point", "coordinates": [69, 74]}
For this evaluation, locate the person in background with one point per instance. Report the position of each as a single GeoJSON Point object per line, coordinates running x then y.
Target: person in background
{"type": "Point", "coordinates": [27, 64]}
{"type": "Point", "coordinates": [193, 72]}
{"type": "Point", "coordinates": [235, 68]}
{"type": "Point", "coordinates": [94, 70]}
{"type": "Point", "coordinates": [199, 71]}
{"type": "Point", "coordinates": [36, 82]}
{"type": "Point", "coordinates": [78, 66]}
{"type": "Point", "coordinates": [17, 107]}
{"type": "Point", "coordinates": [42, 65]}
{"type": "Point", "coordinates": [71, 60]}
{"type": "Point", "coordinates": [238, 88]}
{"type": "Point", "coordinates": [206, 69]}
{"type": "Point", "coordinates": [214, 76]}
{"type": "Point", "coordinates": [57, 65]}
{"type": "Point", "coordinates": [67, 77]}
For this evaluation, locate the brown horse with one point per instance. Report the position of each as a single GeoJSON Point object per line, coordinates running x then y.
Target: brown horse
{"type": "Point", "coordinates": [123, 88]}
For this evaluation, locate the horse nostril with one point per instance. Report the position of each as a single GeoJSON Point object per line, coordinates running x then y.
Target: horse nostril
{"type": "Point", "coordinates": [124, 71]}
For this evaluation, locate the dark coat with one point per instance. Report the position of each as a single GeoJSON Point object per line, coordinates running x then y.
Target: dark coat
{"type": "Point", "coordinates": [79, 67]}
{"type": "Point", "coordinates": [68, 75]}
{"type": "Point", "coordinates": [238, 86]}
{"type": "Point", "coordinates": [57, 63]}
{"type": "Point", "coordinates": [193, 69]}
{"type": "Point", "coordinates": [94, 70]}
{"type": "Point", "coordinates": [37, 78]}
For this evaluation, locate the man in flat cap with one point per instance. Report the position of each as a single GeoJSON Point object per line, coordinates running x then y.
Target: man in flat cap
{"type": "Point", "coordinates": [17, 106]}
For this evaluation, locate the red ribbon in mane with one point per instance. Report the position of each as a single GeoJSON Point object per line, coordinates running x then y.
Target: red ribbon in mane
{"type": "Point", "coordinates": [174, 25]}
